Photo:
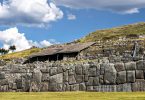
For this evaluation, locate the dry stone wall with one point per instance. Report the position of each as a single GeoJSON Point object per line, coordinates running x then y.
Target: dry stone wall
{"type": "Point", "coordinates": [97, 75]}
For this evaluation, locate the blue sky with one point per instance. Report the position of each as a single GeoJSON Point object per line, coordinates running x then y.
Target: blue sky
{"type": "Point", "coordinates": [74, 21]}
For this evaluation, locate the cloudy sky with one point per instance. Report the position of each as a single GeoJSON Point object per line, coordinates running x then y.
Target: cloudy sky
{"type": "Point", "coordinates": [27, 23]}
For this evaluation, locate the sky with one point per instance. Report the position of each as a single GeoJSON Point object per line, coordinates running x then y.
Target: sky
{"type": "Point", "coordinates": [41, 23]}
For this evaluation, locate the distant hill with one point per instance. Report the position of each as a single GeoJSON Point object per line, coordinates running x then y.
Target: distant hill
{"type": "Point", "coordinates": [132, 30]}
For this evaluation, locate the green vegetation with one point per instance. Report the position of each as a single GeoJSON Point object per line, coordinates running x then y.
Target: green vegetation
{"type": "Point", "coordinates": [132, 30]}
{"type": "Point", "coordinates": [74, 96]}
{"type": "Point", "coordinates": [21, 54]}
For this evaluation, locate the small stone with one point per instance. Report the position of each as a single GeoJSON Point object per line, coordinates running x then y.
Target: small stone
{"type": "Point", "coordinates": [79, 70]}
{"type": "Point", "coordinates": [79, 78]}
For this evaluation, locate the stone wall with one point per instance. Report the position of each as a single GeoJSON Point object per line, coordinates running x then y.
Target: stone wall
{"type": "Point", "coordinates": [100, 75]}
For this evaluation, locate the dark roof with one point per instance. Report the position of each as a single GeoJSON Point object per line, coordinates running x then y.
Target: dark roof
{"type": "Point", "coordinates": [58, 49]}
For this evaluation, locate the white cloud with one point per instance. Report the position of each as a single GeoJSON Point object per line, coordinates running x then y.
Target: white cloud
{"type": "Point", "coordinates": [71, 17]}
{"type": "Point", "coordinates": [120, 6]}
{"type": "Point", "coordinates": [11, 36]}
{"type": "Point", "coordinates": [28, 12]}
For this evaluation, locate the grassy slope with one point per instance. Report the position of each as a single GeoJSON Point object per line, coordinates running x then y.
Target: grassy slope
{"type": "Point", "coordinates": [21, 54]}
{"type": "Point", "coordinates": [137, 29]}
{"type": "Point", "coordinates": [113, 33]}
{"type": "Point", "coordinates": [73, 96]}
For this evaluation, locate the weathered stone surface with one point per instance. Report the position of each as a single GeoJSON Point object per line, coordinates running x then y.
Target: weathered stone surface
{"type": "Point", "coordinates": [37, 75]}
{"type": "Point", "coordinates": [92, 72]}
{"type": "Point", "coordinates": [121, 77]}
{"type": "Point", "coordinates": [139, 74]}
{"type": "Point", "coordinates": [139, 85]}
{"type": "Point", "coordinates": [34, 87]}
{"type": "Point", "coordinates": [2, 75]}
{"type": "Point", "coordinates": [96, 81]}
{"type": "Point", "coordinates": [110, 74]}
{"type": "Point", "coordinates": [103, 67]}
{"type": "Point", "coordinates": [90, 88]}
{"type": "Point", "coordinates": [79, 78]}
{"type": "Point", "coordinates": [82, 87]}
{"type": "Point", "coordinates": [130, 66]}
{"type": "Point", "coordinates": [119, 67]}
{"type": "Point", "coordinates": [124, 87]}
{"type": "Point", "coordinates": [85, 69]}
{"type": "Point", "coordinates": [140, 65]}
{"type": "Point", "coordinates": [19, 83]}
{"type": "Point", "coordinates": [90, 81]}
{"type": "Point", "coordinates": [105, 88]}
{"type": "Point", "coordinates": [66, 87]}
{"type": "Point", "coordinates": [72, 79]}
{"type": "Point", "coordinates": [130, 76]}
{"type": "Point", "coordinates": [79, 70]}
{"type": "Point", "coordinates": [45, 77]}
{"type": "Point", "coordinates": [4, 82]}
{"type": "Point", "coordinates": [44, 87]}
{"type": "Point", "coordinates": [53, 71]}
{"type": "Point", "coordinates": [56, 78]}
{"type": "Point", "coordinates": [65, 76]}
{"type": "Point", "coordinates": [75, 87]}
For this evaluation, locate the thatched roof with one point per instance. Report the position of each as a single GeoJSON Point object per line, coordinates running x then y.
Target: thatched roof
{"type": "Point", "coordinates": [59, 49]}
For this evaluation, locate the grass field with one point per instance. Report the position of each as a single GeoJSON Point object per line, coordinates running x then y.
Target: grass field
{"type": "Point", "coordinates": [73, 96]}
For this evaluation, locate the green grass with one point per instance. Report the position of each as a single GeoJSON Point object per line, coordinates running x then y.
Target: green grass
{"type": "Point", "coordinates": [73, 96]}
{"type": "Point", "coordinates": [21, 54]}
{"type": "Point", "coordinates": [114, 33]}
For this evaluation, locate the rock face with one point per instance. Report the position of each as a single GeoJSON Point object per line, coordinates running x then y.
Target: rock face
{"type": "Point", "coordinates": [97, 75]}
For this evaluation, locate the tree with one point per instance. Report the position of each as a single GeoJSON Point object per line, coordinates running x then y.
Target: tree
{"type": "Point", "coordinates": [4, 51]}
{"type": "Point", "coordinates": [12, 48]}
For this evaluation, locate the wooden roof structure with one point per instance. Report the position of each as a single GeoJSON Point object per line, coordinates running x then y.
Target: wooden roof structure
{"type": "Point", "coordinates": [60, 49]}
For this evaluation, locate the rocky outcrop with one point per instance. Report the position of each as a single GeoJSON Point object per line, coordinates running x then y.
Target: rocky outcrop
{"type": "Point", "coordinates": [100, 75]}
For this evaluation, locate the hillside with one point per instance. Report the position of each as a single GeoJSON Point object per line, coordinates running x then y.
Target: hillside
{"type": "Point", "coordinates": [106, 38]}
{"type": "Point", "coordinates": [131, 30]}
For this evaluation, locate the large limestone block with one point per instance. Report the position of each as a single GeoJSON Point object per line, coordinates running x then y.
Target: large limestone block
{"type": "Point", "coordinates": [139, 74]}
{"type": "Point", "coordinates": [110, 74]}
{"type": "Point", "coordinates": [105, 88]}
{"type": "Point", "coordinates": [130, 66]}
{"type": "Point", "coordinates": [56, 78]}
{"type": "Point", "coordinates": [82, 87]}
{"type": "Point", "coordinates": [79, 70]}
{"type": "Point", "coordinates": [2, 75]}
{"type": "Point", "coordinates": [72, 79]}
{"type": "Point", "coordinates": [140, 65]}
{"type": "Point", "coordinates": [119, 67]}
{"type": "Point", "coordinates": [79, 78]}
{"type": "Point", "coordinates": [37, 75]}
{"type": "Point", "coordinates": [92, 72]}
{"type": "Point", "coordinates": [130, 76]}
{"type": "Point", "coordinates": [139, 85]}
{"type": "Point", "coordinates": [74, 87]}
{"type": "Point", "coordinates": [121, 77]}
{"type": "Point", "coordinates": [124, 87]}
{"type": "Point", "coordinates": [53, 71]}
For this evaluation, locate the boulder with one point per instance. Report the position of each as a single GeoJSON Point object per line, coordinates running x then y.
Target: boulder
{"type": "Point", "coordinates": [110, 74]}
{"type": "Point", "coordinates": [121, 77]}
{"type": "Point", "coordinates": [130, 76]}
{"type": "Point", "coordinates": [82, 87]}
{"type": "Point", "coordinates": [140, 65]}
{"type": "Point", "coordinates": [130, 66]}
{"type": "Point", "coordinates": [119, 67]}
{"type": "Point", "coordinates": [139, 74]}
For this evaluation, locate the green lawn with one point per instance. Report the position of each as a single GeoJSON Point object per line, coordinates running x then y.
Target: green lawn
{"type": "Point", "coordinates": [73, 96]}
